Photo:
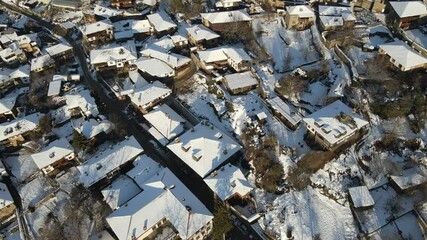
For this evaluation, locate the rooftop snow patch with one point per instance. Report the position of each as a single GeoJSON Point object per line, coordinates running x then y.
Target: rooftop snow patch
{"type": "Point", "coordinates": [8, 102]}
{"type": "Point", "coordinates": [204, 148]}
{"type": "Point", "coordinates": [110, 159]}
{"type": "Point", "coordinates": [403, 54]}
{"type": "Point", "coordinates": [200, 32]}
{"type": "Point", "coordinates": [173, 60]}
{"type": "Point", "coordinates": [222, 54]}
{"type": "Point", "coordinates": [55, 151]}
{"type": "Point", "coordinates": [161, 21]}
{"type": "Point", "coordinates": [7, 74]}
{"type": "Point", "coordinates": [409, 178]}
{"type": "Point", "coordinates": [409, 8]}
{"type": "Point", "coordinates": [325, 10]}
{"type": "Point", "coordinates": [240, 80]}
{"type": "Point", "coordinates": [41, 62]}
{"type": "Point", "coordinates": [326, 123]}
{"type": "Point", "coordinates": [228, 181]}
{"type": "Point", "coordinates": [166, 121]}
{"type": "Point", "coordinates": [92, 128]}
{"type": "Point", "coordinates": [115, 54]}
{"type": "Point", "coordinates": [149, 93]}
{"type": "Point", "coordinates": [81, 98]}
{"type": "Point", "coordinates": [155, 67]}
{"type": "Point", "coordinates": [19, 126]}
{"type": "Point", "coordinates": [226, 17]}
{"type": "Point", "coordinates": [163, 196]}
{"type": "Point", "coordinates": [144, 168]}
{"type": "Point", "coordinates": [120, 191]}
{"type": "Point", "coordinates": [96, 27]}
{"type": "Point", "coordinates": [58, 49]}
{"type": "Point", "coordinates": [361, 197]}
{"type": "Point", "coordinates": [54, 87]}
{"type": "Point", "coordinates": [301, 10]}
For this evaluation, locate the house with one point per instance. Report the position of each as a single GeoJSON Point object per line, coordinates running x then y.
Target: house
{"type": "Point", "coordinates": [333, 125]}
{"type": "Point", "coordinates": [123, 86]}
{"type": "Point", "coordinates": [55, 86]}
{"type": "Point", "coordinates": [121, 3]}
{"type": "Point", "coordinates": [228, 182]}
{"type": "Point", "coordinates": [201, 36]}
{"type": "Point", "coordinates": [42, 63]}
{"type": "Point", "coordinates": [106, 164]}
{"type": "Point", "coordinates": [7, 39]}
{"type": "Point", "coordinates": [219, 21]}
{"type": "Point", "coordinates": [67, 4]}
{"type": "Point", "coordinates": [228, 3]}
{"type": "Point", "coordinates": [131, 183]}
{"type": "Point", "coordinates": [7, 205]}
{"type": "Point", "coordinates": [180, 64]}
{"type": "Point", "coordinates": [299, 17]}
{"type": "Point", "coordinates": [80, 102]}
{"type": "Point", "coordinates": [102, 13]}
{"type": "Point", "coordinates": [13, 55]}
{"type": "Point", "coordinates": [97, 32]}
{"type": "Point", "coordinates": [360, 197]}
{"type": "Point", "coordinates": [238, 83]}
{"type": "Point", "coordinates": [402, 56]}
{"type": "Point", "coordinates": [154, 67]}
{"type": "Point", "coordinates": [120, 58]}
{"type": "Point", "coordinates": [91, 129]}
{"type": "Point", "coordinates": [60, 52]}
{"type": "Point", "coordinates": [179, 40]}
{"type": "Point", "coordinates": [161, 22]}
{"type": "Point", "coordinates": [29, 43]}
{"type": "Point", "coordinates": [7, 103]}
{"type": "Point", "coordinates": [132, 29]}
{"type": "Point", "coordinates": [334, 17]}
{"type": "Point", "coordinates": [285, 112]}
{"type": "Point", "coordinates": [221, 57]}
{"type": "Point", "coordinates": [406, 14]}
{"type": "Point", "coordinates": [378, 6]}
{"type": "Point", "coordinates": [165, 202]}
{"type": "Point", "coordinates": [149, 96]}
{"type": "Point", "coordinates": [10, 78]}
{"type": "Point", "coordinates": [165, 123]}
{"type": "Point", "coordinates": [408, 181]}
{"type": "Point", "coordinates": [15, 132]}
{"type": "Point", "coordinates": [53, 157]}
{"type": "Point", "coordinates": [204, 148]}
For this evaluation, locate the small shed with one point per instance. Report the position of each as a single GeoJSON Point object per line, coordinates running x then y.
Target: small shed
{"type": "Point", "coordinates": [361, 197]}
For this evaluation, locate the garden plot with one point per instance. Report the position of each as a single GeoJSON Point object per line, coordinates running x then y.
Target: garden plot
{"type": "Point", "coordinates": [358, 57]}
{"type": "Point", "coordinates": [308, 215]}
{"type": "Point", "coordinates": [288, 49]}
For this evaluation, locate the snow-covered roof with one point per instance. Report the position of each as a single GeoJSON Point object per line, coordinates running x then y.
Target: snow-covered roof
{"type": "Point", "coordinates": [332, 21]}
{"type": "Point", "coordinates": [200, 32]}
{"type": "Point", "coordinates": [325, 122]}
{"type": "Point", "coordinates": [172, 59]}
{"type": "Point", "coordinates": [179, 37]}
{"type": "Point", "coordinates": [130, 27]}
{"type": "Point", "coordinates": [150, 92]}
{"type": "Point", "coordinates": [301, 10]}
{"type": "Point", "coordinates": [81, 98]}
{"type": "Point", "coordinates": [165, 43]}
{"type": "Point", "coordinates": [106, 12]}
{"type": "Point", "coordinates": [151, 3]}
{"type": "Point", "coordinates": [227, 16]}
{"type": "Point", "coordinates": [240, 80]}
{"type": "Point", "coordinates": [163, 196]}
{"type": "Point", "coordinates": [120, 191]}
{"type": "Point", "coordinates": [95, 27]}
{"type": "Point", "coordinates": [19, 126]}
{"type": "Point", "coordinates": [108, 160]}
{"type": "Point", "coordinates": [7, 103]}
{"type": "Point", "coordinates": [121, 53]}
{"type": "Point", "coordinates": [7, 38]}
{"type": "Point", "coordinates": [326, 10]}
{"type": "Point", "coordinates": [361, 197]}
{"type": "Point", "coordinates": [409, 8]}
{"type": "Point", "coordinates": [409, 178]}
{"type": "Point", "coordinates": [5, 197]}
{"type": "Point", "coordinates": [222, 3]}
{"type": "Point", "coordinates": [67, 25]}
{"type": "Point", "coordinates": [228, 181]}
{"type": "Point", "coordinates": [58, 49]}
{"type": "Point", "coordinates": [223, 53]}
{"type": "Point", "coordinates": [403, 54]}
{"type": "Point", "coordinates": [166, 121]}
{"type": "Point", "coordinates": [286, 110]}
{"type": "Point", "coordinates": [161, 21]}
{"type": "Point", "coordinates": [74, 4]}
{"type": "Point", "coordinates": [92, 128]}
{"type": "Point", "coordinates": [154, 67]}
{"type": "Point", "coordinates": [41, 62]}
{"type": "Point", "coordinates": [7, 74]}
{"type": "Point", "coordinates": [28, 38]}
{"type": "Point", "coordinates": [54, 87]}
{"type": "Point", "coordinates": [144, 168]}
{"type": "Point", "coordinates": [55, 151]}
{"type": "Point", "coordinates": [204, 148]}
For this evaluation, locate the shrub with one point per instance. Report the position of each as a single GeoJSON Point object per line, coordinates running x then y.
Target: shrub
{"type": "Point", "coordinates": [79, 141]}
{"type": "Point", "coordinates": [222, 223]}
